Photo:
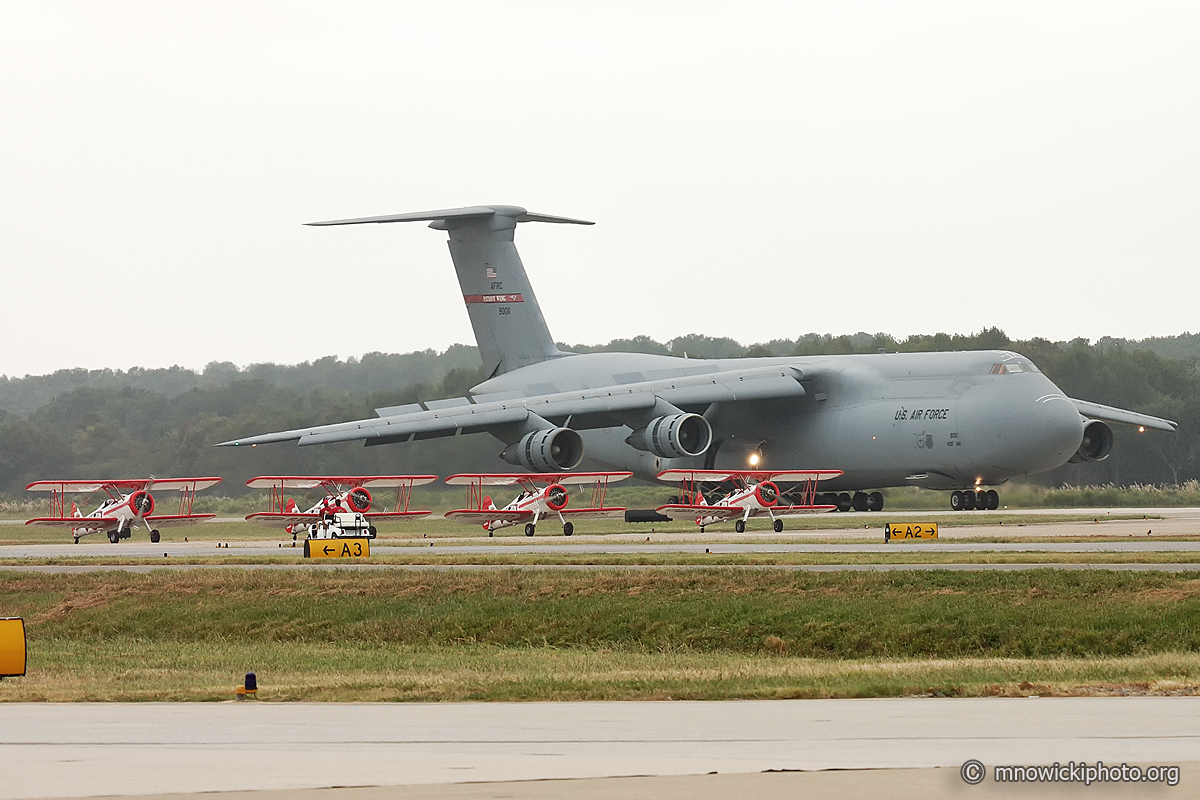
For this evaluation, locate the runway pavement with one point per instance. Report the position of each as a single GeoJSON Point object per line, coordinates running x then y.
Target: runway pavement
{"type": "Point", "coordinates": [76, 750]}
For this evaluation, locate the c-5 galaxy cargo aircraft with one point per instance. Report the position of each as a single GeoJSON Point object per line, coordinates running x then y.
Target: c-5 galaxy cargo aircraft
{"type": "Point", "coordinates": [958, 421]}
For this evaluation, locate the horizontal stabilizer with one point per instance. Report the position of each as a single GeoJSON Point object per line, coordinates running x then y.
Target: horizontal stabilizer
{"type": "Point", "coordinates": [470, 212]}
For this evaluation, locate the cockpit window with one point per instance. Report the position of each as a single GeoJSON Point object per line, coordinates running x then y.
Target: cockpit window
{"type": "Point", "coordinates": [1011, 367]}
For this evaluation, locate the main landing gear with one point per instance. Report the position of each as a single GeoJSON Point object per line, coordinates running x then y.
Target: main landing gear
{"type": "Point", "coordinates": [859, 501]}
{"type": "Point", "coordinates": [154, 537]}
{"type": "Point", "coordinates": [568, 528]}
{"type": "Point", "coordinates": [970, 501]}
{"type": "Point", "coordinates": [529, 529]}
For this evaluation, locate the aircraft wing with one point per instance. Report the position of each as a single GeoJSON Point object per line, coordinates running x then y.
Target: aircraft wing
{"type": "Point", "coordinates": [175, 520]}
{"type": "Point", "coordinates": [1123, 417]}
{"type": "Point", "coordinates": [517, 478]}
{"type": "Point", "coordinates": [476, 517]}
{"type": "Point", "coordinates": [315, 481]}
{"type": "Point", "coordinates": [679, 510]}
{"type": "Point", "coordinates": [754, 476]}
{"type": "Point", "coordinates": [75, 522]}
{"type": "Point", "coordinates": [282, 520]}
{"type": "Point", "coordinates": [125, 486]}
{"type": "Point", "coordinates": [589, 408]}
{"type": "Point", "coordinates": [593, 513]}
{"type": "Point", "coordinates": [800, 511]}
{"type": "Point", "coordinates": [386, 515]}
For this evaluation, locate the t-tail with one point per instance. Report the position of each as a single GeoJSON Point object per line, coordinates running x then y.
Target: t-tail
{"type": "Point", "coordinates": [509, 326]}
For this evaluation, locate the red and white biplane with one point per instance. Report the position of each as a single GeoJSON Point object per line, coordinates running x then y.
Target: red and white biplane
{"type": "Point", "coordinates": [755, 493]}
{"type": "Point", "coordinates": [128, 503]}
{"type": "Point", "coordinates": [345, 510]}
{"type": "Point", "coordinates": [542, 495]}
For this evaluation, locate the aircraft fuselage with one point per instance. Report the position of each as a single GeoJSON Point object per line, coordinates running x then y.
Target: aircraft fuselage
{"type": "Point", "coordinates": [938, 420]}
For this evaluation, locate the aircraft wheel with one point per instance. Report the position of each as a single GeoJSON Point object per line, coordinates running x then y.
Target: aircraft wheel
{"type": "Point", "coordinates": [372, 531]}
{"type": "Point", "coordinates": [113, 537]}
{"type": "Point", "coordinates": [702, 529]}
{"type": "Point", "coordinates": [993, 499]}
{"type": "Point", "coordinates": [968, 501]}
{"type": "Point", "coordinates": [568, 529]}
{"type": "Point", "coordinates": [154, 537]}
{"type": "Point", "coordinates": [491, 532]}
{"type": "Point", "coordinates": [76, 540]}
{"type": "Point", "coordinates": [956, 501]}
{"type": "Point", "coordinates": [529, 529]}
{"type": "Point", "coordinates": [778, 526]}
{"type": "Point", "coordinates": [859, 501]}
{"type": "Point", "coordinates": [843, 502]}
{"type": "Point", "coordinates": [740, 526]}
{"type": "Point", "coordinates": [875, 501]}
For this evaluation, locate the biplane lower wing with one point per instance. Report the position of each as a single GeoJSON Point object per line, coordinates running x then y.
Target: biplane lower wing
{"type": "Point", "coordinates": [591, 513]}
{"type": "Point", "coordinates": [386, 515]}
{"type": "Point", "coordinates": [476, 517]}
{"type": "Point", "coordinates": [800, 511]}
{"type": "Point", "coordinates": [175, 520]}
{"type": "Point", "coordinates": [283, 520]}
{"type": "Point", "coordinates": [715, 512]}
{"type": "Point", "coordinates": [96, 523]}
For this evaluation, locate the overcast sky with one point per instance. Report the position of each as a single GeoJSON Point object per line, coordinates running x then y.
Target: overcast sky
{"type": "Point", "coordinates": [756, 170]}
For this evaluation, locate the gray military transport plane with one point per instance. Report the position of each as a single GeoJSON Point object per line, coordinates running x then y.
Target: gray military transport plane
{"type": "Point", "coordinates": [959, 421]}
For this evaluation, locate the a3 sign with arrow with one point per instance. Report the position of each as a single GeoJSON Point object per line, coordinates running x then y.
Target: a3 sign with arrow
{"type": "Point", "coordinates": [355, 547]}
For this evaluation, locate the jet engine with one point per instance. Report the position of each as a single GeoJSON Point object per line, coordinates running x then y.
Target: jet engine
{"type": "Point", "coordinates": [549, 450]}
{"type": "Point", "coordinates": [142, 503]}
{"type": "Point", "coordinates": [673, 436]}
{"type": "Point", "coordinates": [359, 500]}
{"type": "Point", "coordinates": [1097, 443]}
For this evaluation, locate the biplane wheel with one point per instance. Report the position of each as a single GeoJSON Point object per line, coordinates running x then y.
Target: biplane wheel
{"type": "Point", "coordinates": [568, 528]}
{"type": "Point", "coordinates": [372, 531]}
{"type": "Point", "coordinates": [491, 532]}
{"type": "Point", "coordinates": [702, 529]}
{"type": "Point", "coordinates": [778, 526]}
{"type": "Point", "coordinates": [113, 536]}
{"type": "Point", "coordinates": [76, 540]}
{"type": "Point", "coordinates": [529, 529]}
{"type": "Point", "coordinates": [740, 526]}
{"type": "Point", "coordinates": [154, 537]}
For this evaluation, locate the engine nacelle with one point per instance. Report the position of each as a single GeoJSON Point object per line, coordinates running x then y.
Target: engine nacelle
{"type": "Point", "coordinates": [674, 436]}
{"type": "Point", "coordinates": [142, 503]}
{"type": "Point", "coordinates": [1096, 445]}
{"type": "Point", "coordinates": [556, 497]}
{"type": "Point", "coordinates": [359, 499]}
{"type": "Point", "coordinates": [549, 450]}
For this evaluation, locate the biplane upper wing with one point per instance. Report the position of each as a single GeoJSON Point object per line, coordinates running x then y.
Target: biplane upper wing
{"type": "Point", "coordinates": [519, 478]}
{"type": "Point", "coordinates": [125, 485]}
{"type": "Point", "coordinates": [750, 475]}
{"type": "Point", "coordinates": [75, 522]}
{"type": "Point", "coordinates": [316, 481]}
{"type": "Point", "coordinates": [478, 517]}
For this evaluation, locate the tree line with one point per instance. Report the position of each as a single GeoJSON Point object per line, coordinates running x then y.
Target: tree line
{"type": "Point", "coordinates": [111, 424]}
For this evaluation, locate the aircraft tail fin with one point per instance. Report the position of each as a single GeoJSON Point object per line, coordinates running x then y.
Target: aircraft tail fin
{"type": "Point", "coordinates": [508, 323]}
{"type": "Point", "coordinates": [291, 507]}
{"type": "Point", "coordinates": [75, 512]}
{"type": "Point", "coordinates": [489, 504]}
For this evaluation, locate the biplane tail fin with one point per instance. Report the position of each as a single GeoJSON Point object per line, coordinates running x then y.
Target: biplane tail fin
{"type": "Point", "coordinates": [489, 503]}
{"type": "Point", "coordinates": [291, 507]}
{"type": "Point", "coordinates": [508, 322]}
{"type": "Point", "coordinates": [75, 512]}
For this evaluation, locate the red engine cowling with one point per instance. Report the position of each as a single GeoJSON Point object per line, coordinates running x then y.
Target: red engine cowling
{"type": "Point", "coordinates": [556, 497]}
{"type": "Point", "coordinates": [142, 503]}
{"type": "Point", "coordinates": [767, 494]}
{"type": "Point", "coordinates": [359, 500]}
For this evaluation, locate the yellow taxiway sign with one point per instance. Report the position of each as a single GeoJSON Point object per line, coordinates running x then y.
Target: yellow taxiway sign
{"type": "Point", "coordinates": [12, 647]}
{"type": "Point", "coordinates": [910, 530]}
{"type": "Point", "coordinates": [358, 547]}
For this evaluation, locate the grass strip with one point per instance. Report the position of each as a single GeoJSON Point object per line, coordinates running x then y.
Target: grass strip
{"type": "Point", "coordinates": [514, 634]}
